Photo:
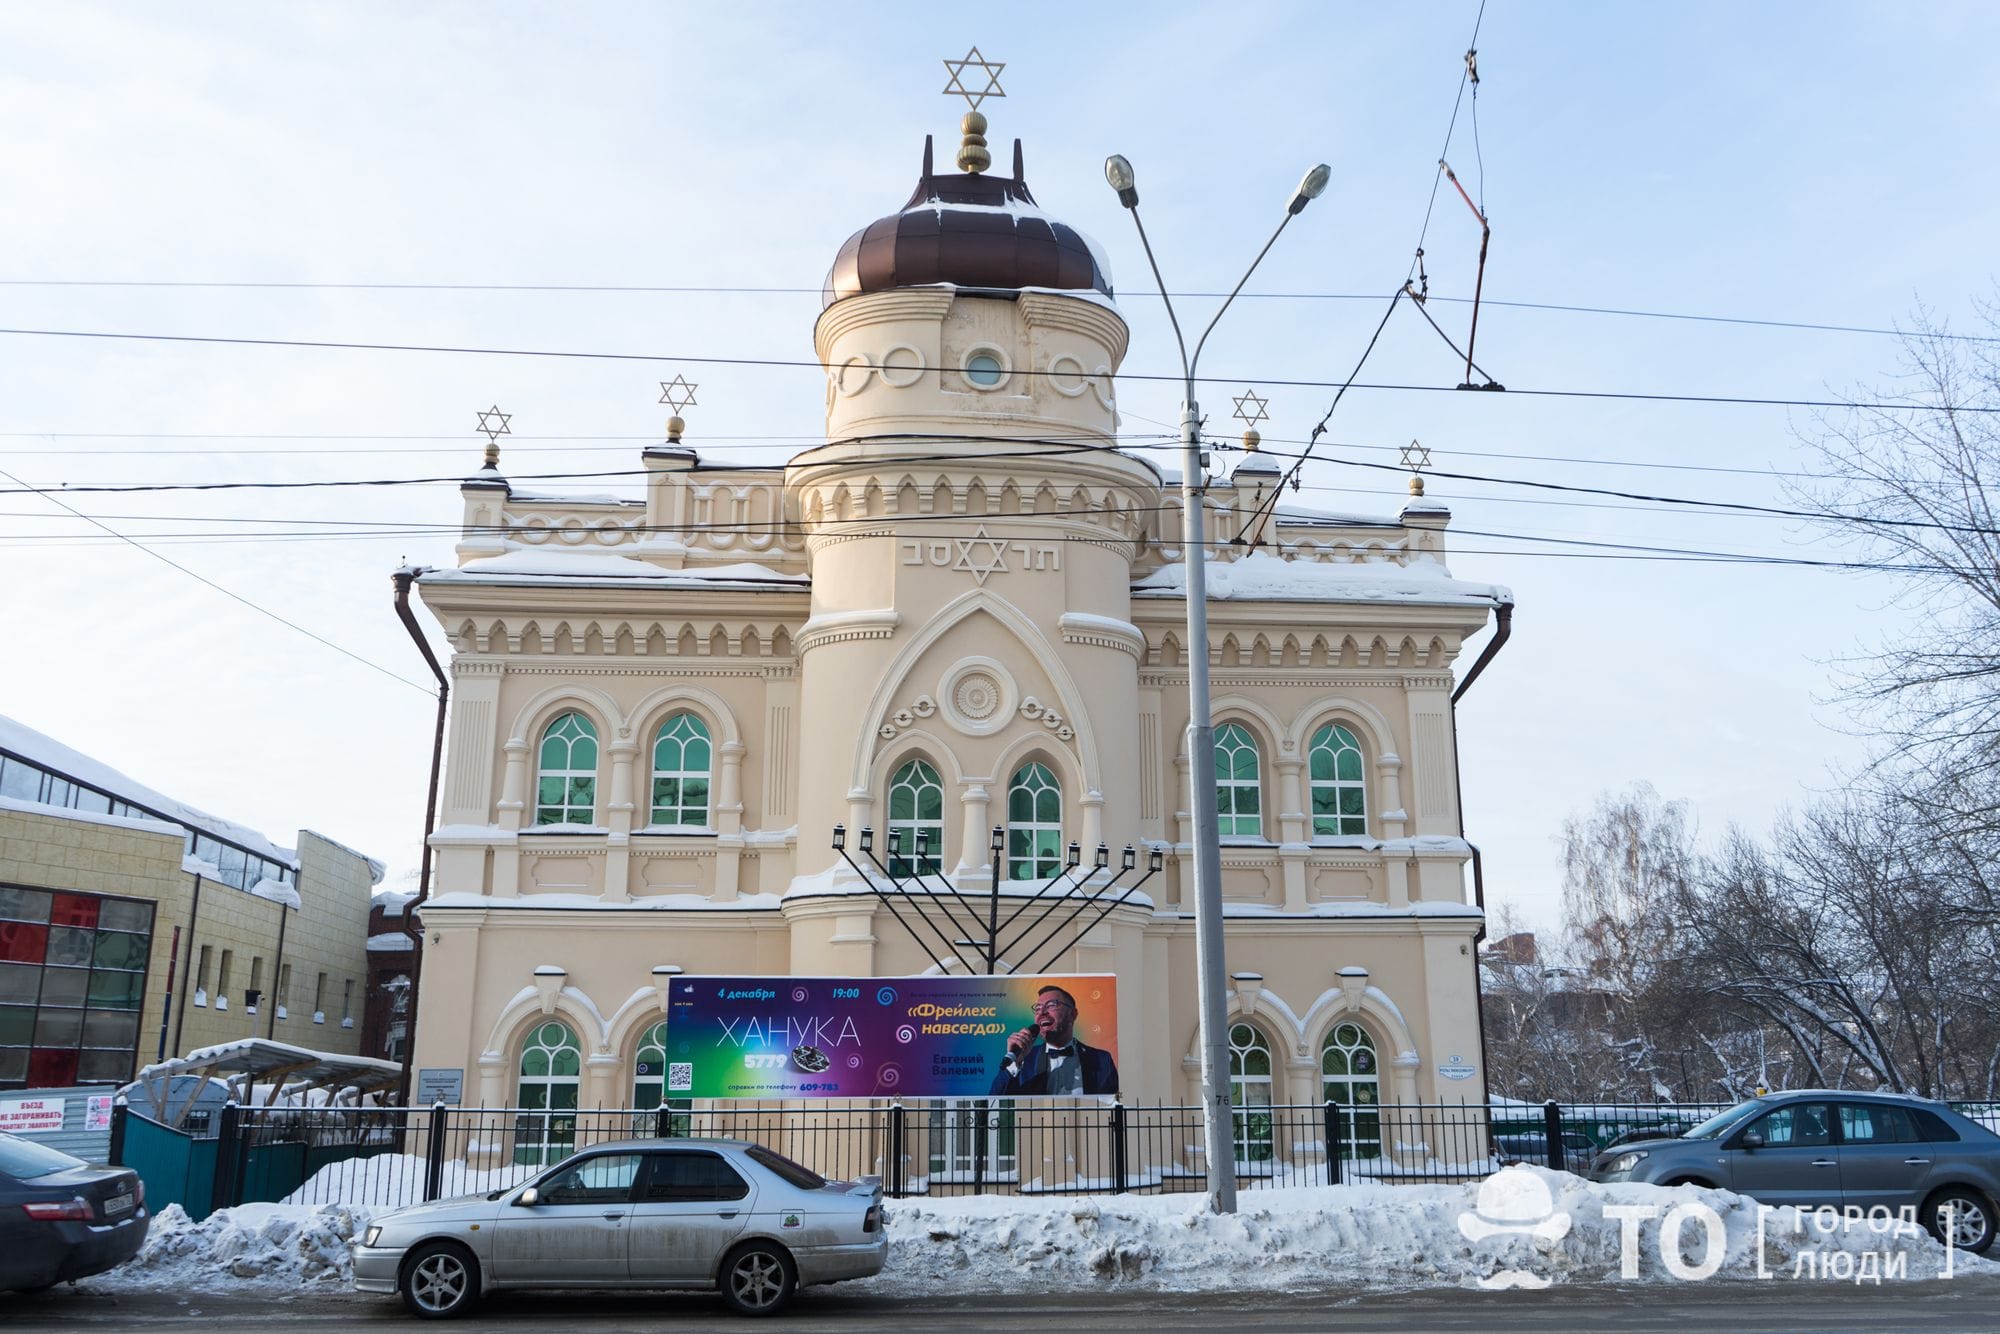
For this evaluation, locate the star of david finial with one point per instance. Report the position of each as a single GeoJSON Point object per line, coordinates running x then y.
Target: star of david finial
{"type": "Point", "coordinates": [1250, 408]}
{"type": "Point", "coordinates": [973, 60]}
{"type": "Point", "coordinates": [677, 393]}
{"type": "Point", "coordinates": [493, 425]}
{"type": "Point", "coordinates": [1416, 457]}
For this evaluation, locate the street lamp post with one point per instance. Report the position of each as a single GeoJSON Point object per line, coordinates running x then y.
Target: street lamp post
{"type": "Point", "coordinates": [1216, 1123]}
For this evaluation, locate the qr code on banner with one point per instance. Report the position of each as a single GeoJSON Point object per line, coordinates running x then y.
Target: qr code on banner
{"type": "Point", "coordinates": [680, 1076]}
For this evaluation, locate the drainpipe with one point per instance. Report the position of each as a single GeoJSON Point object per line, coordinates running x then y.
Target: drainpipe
{"type": "Point", "coordinates": [404, 579]}
{"type": "Point", "coordinates": [269, 1001]}
{"type": "Point", "coordinates": [1503, 626]}
{"type": "Point", "coordinates": [187, 965]}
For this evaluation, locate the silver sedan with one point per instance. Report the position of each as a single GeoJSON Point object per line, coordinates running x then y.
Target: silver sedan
{"type": "Point", "coordinates": [653, 1213]}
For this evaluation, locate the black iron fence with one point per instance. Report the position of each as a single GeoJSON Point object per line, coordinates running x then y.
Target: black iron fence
{"type": "Point", "coordinates": [384, 1158]}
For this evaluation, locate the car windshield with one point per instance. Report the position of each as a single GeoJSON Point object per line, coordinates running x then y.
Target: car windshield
{"type": "Point", "coordinates": [802, 1177]}
{"type": "Point", "coordinates": [24, 1158]}
{"type": "Point", "coordinates": [1724, 1122]}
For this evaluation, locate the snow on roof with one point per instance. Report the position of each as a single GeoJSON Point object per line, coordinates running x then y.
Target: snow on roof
{"type": "Point", "coordinates": [389, 942]}
{"type": "Point", "coordinates": [1261, 576]}
{"type": "Point", "coordinates": [572, 498]}
{"type": "Point", "coordinates": [393, 902]}
{"type": "Point", "coordinates": [596, 566]}
{"type": "Point", "coordinates": [277, 891]}
{"type": "Point", "coordinates": [52, 754]}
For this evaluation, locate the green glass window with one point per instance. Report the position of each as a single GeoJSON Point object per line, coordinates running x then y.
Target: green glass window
{"type": "Point", "coordinates": [1034, 824]}
{"type": "Point", "coordinates": [916, 808]}
{"type": "Point", "coordinates": [1350, 1075]}
{"type": "Point", "coordinates": [1238, 792]}
{"type": "Point", "coordinates": [550, 1078]}
{"type": "Point", "coordinates": [566, 775]}
{"type": "Point", "coordinates": [1250, 1093]}
{"type": "Point", "coordinates": [1339, 793]}
{"type": "Point", "coordinates": [682, 761]}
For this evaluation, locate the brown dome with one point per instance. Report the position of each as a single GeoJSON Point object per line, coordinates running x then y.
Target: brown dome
{"type": "Point", "coordinates": [975, 231]}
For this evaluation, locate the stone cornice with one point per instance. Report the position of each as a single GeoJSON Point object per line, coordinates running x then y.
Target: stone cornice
{"type": "Point", "coordinates": [837, 627]}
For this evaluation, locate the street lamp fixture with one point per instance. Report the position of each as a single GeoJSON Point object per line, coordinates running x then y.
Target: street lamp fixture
{"type": "Point", "coordinates": [1218, 1133]}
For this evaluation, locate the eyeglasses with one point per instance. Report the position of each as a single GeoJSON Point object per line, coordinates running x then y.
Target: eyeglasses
{"type": "Point", "coordinates": [1043, 1007]}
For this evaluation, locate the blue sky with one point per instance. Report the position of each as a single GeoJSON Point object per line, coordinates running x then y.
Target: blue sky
{"type": "Point", "coordinates": [1816, 163]}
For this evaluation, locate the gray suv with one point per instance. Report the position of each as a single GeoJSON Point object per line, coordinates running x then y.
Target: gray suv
{"type": "Point", "coordinates": [1815, 1147]}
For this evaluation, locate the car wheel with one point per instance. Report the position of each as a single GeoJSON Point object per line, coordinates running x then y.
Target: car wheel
{"type": "Point", "coordinates": [758, 1278]}
{"type": "Point", "coordinates": [440, 1279]}
{"type": "Point", "coordinates": [1971, 1218]}
{"type": "Point", "coordinates": [1687, 1181]}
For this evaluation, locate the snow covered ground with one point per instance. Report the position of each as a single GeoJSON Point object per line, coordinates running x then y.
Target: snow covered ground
{"type": "Point", "coordinates": [1316, 1237]}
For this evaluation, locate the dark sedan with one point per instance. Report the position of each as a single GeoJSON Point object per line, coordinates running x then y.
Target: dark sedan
{"type": "Point", "coordinates": [62, 1219]}
{"type": "Point", "coordinates": [1813, 1148]}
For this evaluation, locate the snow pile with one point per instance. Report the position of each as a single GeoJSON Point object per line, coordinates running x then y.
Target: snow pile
{"type": "Point", "coordinates": [272, 1245]}
{"type": "Point", "coordinates": [1357, 1235]}
{"type": "Point", "coordinates": [393, 1180]}
{"type": "Point", "coordinates": [1365, 1235]}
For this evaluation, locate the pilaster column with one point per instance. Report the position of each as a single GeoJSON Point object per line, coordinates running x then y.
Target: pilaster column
{"type": "Point", "coordinates": [729, 796]}
{"type": "Point", "coordinates": [974, 855]}
{"type": "Point", "coordinates": [1389, 776]}
{"type": "Point", "coordinates": [514, 786]}
{"type": "Point", "coordinates": [1093, 823]}
{"type": "Point", "coordinates": [1293, 821]}
{"type": "Point", "coordinates": [619, 810]}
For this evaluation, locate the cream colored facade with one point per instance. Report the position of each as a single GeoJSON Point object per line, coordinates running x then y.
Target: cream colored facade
{"type": "Point", "coordinates": [972, 575]}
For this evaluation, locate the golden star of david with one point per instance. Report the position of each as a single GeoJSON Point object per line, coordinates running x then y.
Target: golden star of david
{"type": "Point", "coordinates": [488, 429]}
{"type": "Point", "coordinates": [979, 568]}
{"type": "Point", "coordinates": [973, 60]}
{"type": "Point", "coordinates": [677, 393]}
{"type": "Point", "coordinates": [1250, 408]}
{"type": "Point", "coordinates": [1416, 457]}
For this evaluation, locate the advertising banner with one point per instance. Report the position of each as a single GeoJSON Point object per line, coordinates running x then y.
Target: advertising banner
{"type": "Point", "coordinates": [923, 1037]}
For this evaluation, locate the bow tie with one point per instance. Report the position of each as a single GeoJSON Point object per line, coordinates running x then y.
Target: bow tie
{"type": "Point", "coordinates": [1053, 1052]}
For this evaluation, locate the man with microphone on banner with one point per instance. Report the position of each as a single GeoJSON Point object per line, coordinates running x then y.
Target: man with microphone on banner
{"type": "Point", "coordinates": [1060, 1064]}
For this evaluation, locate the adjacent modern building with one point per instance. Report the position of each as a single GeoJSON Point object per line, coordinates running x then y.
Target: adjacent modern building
{"type": "Point", "coordinates": [134, 927]}
{"type": "Point", "coordinates": [962, 611]}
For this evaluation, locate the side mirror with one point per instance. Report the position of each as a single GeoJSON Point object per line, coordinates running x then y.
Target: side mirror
{"type": "Point", "coordinates": [1752, 1140]}
{"type": "Point", "coordinates": [528, 1198]}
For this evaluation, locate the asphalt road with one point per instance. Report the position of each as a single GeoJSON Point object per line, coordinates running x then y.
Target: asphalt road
{"type": "Point", "coordinates": [1962, 1304]}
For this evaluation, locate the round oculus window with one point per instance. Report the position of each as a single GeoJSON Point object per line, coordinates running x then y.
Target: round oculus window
{"type": "Point", "coordinates": [984, 369]}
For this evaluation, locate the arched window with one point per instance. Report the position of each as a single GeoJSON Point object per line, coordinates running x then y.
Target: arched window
{"type": "Point", "coordinates": [1250, 1093]}
{"type": "Point", "coordinates": [1238, 796]}
{"type": "Point", "coordinates": [681, 759]}
{"type": "Point", "coordinates": [1351, 1076]}
{"type": "Point", "coordinates": [550, 1073]}
{"type": "Point", "coordinates": [566, 778]}
{"type": "Point", "coordinates": [1339, 793]}
{"type": "Point", "coordinates": [649, 1084]}
{"type": "Point", "coordinates": [1034, 823]}
{"type": "Point", "coordinates": [649, 1068]}
{"type": "Point", "coordinates": [916, 808]}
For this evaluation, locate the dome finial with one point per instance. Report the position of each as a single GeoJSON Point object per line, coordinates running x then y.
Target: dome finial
{"type": "Point", "coordinates": [973, 156]}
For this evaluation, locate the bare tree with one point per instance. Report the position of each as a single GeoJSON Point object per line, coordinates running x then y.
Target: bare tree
{"type": "Point", "coordinates": [1916, 484]}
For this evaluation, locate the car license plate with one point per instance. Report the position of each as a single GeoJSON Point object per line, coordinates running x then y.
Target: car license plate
{"type": "Point", "coordinates": [118, 1204]}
